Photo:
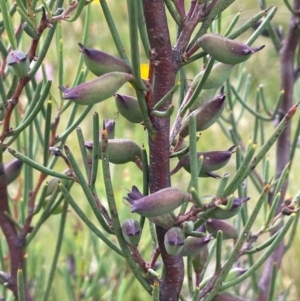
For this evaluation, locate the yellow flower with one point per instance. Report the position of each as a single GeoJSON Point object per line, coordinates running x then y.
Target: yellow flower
{"type": "Point", "coordinates": [144, 71]}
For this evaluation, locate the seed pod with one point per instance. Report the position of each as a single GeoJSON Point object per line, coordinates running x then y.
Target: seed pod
{"type": "Point", "coordinates": [99, 62]}
{"type": "Point", "coordinates": [199, 260]}
{"type": "Point", "coordinates": [121, 151]}
{"type": "Point", "coordinates": [157, 203]}
{"type": "Point", "coordinates": [214, 225]}
{"type": "Point", "coordinates": [18, 62]}
{"type": "Point", "coordinates": [128, 107]}
{"type": "Point", "coordinates": [218, 75]}
{"type": "Point", "coordinates": [225, 50]}
{"type": "Point", "coordinates": [211, 161]}
{"type": "Point", "coordinates": [132, 231]}
{"type": "Point", "coordinates": [193, 245]}
{"type": "Point", "coordinates": [96, 90]}
{"type": "Point", "coordinates": [234, 273]}
{"type": "Point", "coordinates": [174, 241]}
{"type": "Point", "coordinates": [227, 297]}
{"type": "Point", "coordinates": [218, 213]}
{"type": "Point", "coordinates": [12, 170]}
{"type": "Point", "coordinates": [206, 115]}
{"type": "Point", "coordinates": [204, 97]}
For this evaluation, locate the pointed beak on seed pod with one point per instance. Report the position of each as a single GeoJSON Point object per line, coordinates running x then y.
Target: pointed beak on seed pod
{"type": "Point", "coordinates": [158, 203]}
{"type": "Point", "coordinates": [206, 116]}
{"type": "Point", "coordinates": [214, 225]}
{"type": "Point", "coordinates": [99, 62]}
{"type": "Point", "coordinates": [225, 50]}
{"type": "Point", "coordinates": [96, 90]}
{"type": "Point", "coordinates": [219, 213]}
{"type": "Point", "coordinates": [128, 107]}
{"type": "Point", "coordinates": [18, 62]}
{"type": "Point", "coordinates": [110, 128]}
{"type": "Point", "coordinates": [121, 151]}
{"type": "Point", "coordinates": [174, 241]}
{"type": "Point", "coordinates": [132, 231]}
{"type": "Point", "coordinates": [12, 170]}
{"type": "Point", "coordinates": [211, 161]}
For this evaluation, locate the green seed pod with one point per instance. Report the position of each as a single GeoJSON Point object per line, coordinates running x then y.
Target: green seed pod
{"type": "Point", "coordinates": [199, 259]}
{"type": "Point", "coordinates": [204, 97]}
{"type": "Point", "coordinates": [128, 107]}
{"type": "Point", "coordinates": [218, 75]}
{"type": "Point", "coordinates": [18, 62]}
{"type": "Point", "coordinates": [99, 62]}
{"type": "Point", "coordinates": [211, 161]}
{"type": "Point", "coordinates": [12, 170]}
{"type": "Point", "coordinates": [132, 231]}
{"type": "Point", "coordinates": [214, 225]}
{"type": "Point", "coordinates": [218, 213]}
{"type": "Point", "coordinates": [96, 90]}
{"type": "Point", "coordinates": [121, 151]}
{"type": "Point", "coordinates": [165, 221]}
{"type": "Point", "coordinates": [188, 226]}
{"type": "Point", "coordinates": [157, 203]}
{"type": "Point", "coordinates": [206, 116]}
{"type": "Point", "coordinates": [174, 241]}
{"type": "Point", "coordinates": [52, 186]}
{"type": "Point", "coordinates": [225, 50]}
{"type": "Point", "coordinates": [227, 297]}
{"type": "Point", "coordinates": [192, 245]}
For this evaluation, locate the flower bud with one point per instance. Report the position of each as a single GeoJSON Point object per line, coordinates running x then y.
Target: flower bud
{"type": "Point", "coordinates": [188, 226]}
{"type": "Point", "coordinates": [157, 203]}
{"type": "Point", "coordinates": [18, 62]}
{"type": "Point", "coordinates": [219, 213]}
{"type": "Point", "coordinates": [211, 161]}
{"type": "Point", "coordinates": [121, 151]}
{"type": "Point", "coordinates": [206, 115]}
{"type": "Point", "coordinates": [12, 170]}
{"type": "Point", "coordinates": [99, 62]}
{"type": "Point", "coordinates": [174, 240]}
{"type": "Point", "coordinates": [193, 245]}
{"type": "Point", "coordinates": [214, 225]}
{"type": "Point", "coordinates": [97, 90]}
{"type": "Point", "coordinates": [225, 50]}
{"type": "Point", "coordinates": [110, 128]}
{"type": "Point", "coordinates": [227, 297]}
{"type": "Point", "coordinates": [234, 273]}
{"type": "Point", "coordinates": [218, 75]}
{"type": "Point", "coordinates": [132, 231]}
{"type": "Point", "coordinates": [128, 107]}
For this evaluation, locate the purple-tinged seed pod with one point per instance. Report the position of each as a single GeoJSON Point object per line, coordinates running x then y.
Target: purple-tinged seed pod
{"type": "Point", "coordinates": [165, 221]}
{"type": "Point", "coordinates": [128, 107]}
{"type": "Point", "coordinates": [212, 161]}
{"type": "Point", "coordinates": [204, 97]}
{"type": "Point", "coordinates": [12, 170]}
{"type": "Point", "coordinates": [214, 225]}
{"type": "Point", "coordinates": [193, 245]}
{"type": "Point", "coordinates": [205, 116]}
{"type": "Point", "coordinates": [219, 213]}
{"type": "Point", "coordinates": [132, 231]}
{"type": "Point", "coordinates": [234, 273]}
{"type": "Point", "coordinates": [99, 62]}
{"type": "Point", "coordinates": [96, 90]}
{"type": "Point", "coordinates": [227, 297]}
{"type": "Point", "coordinates": [225, 50]}
{"type": "Point", "coordinates": [158, 203]}
{"type": "Point", "coordinates": [121, 151]}
{"type": "Point", "coordinates": [18, 62]}
{"type": "Point", "coordinates": [174, 241]}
